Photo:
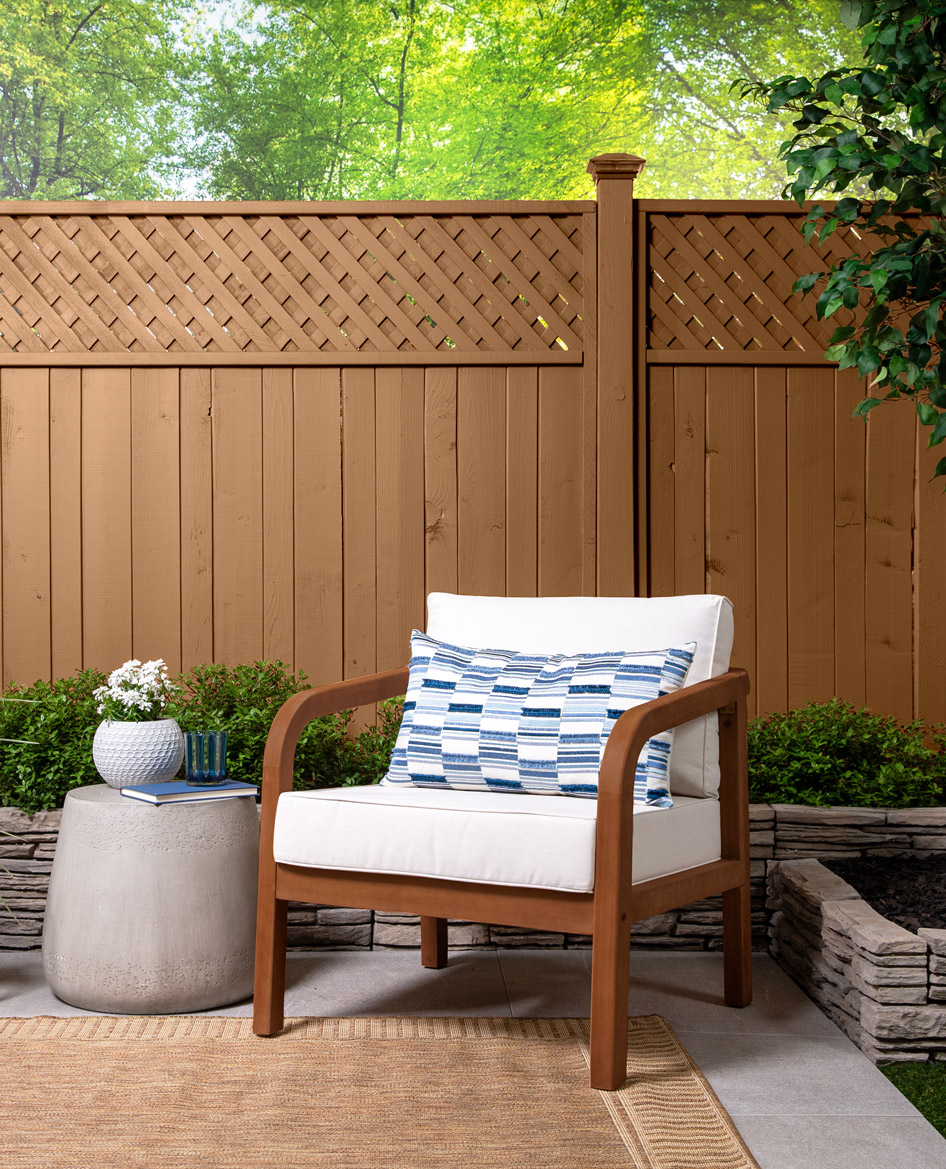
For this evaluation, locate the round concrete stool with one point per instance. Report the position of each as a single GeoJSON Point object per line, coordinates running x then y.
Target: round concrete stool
{"type": "Point", "coordinates": [152, 909]}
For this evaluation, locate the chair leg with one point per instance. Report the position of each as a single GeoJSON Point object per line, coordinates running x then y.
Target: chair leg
{"type": "Point", "coordinates": [269, 988]}
{"type": "Point", "coordinates": [610, 979]}
{"type": "Point", "coordinates": [433, 942]}
{"type": "Point", "coordinates": [737, 947]}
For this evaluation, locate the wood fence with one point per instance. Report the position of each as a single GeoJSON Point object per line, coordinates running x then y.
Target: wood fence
{"type": "Point", "coordinates": [237, 431]}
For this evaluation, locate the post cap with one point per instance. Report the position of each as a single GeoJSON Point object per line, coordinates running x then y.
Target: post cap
{"type": "Point", "coordinates": [615, 166]}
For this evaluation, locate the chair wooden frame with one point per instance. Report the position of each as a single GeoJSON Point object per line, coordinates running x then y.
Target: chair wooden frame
{"type": "Point", "coordinates": [606, 914]}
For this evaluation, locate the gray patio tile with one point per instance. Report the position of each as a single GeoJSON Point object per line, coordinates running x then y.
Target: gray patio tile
{"type": "Point", "coordinates": [23, 989]}
{"type": "Point", "coordinates": [842, 1142]}
{"type": "Point", "coordinates": [767, 1075]}
{"type": "Point", "coordinates": [381, 982]}
{"type": "Point", "coordinates": [687, 989]}
{"type": "Point", "coordinates": [546, 985]}
{"type": "Point", "coordinates": [393, 982]}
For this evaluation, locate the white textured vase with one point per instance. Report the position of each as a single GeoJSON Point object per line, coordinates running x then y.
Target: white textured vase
{"type": "Point", "coordinates": [127, 753]}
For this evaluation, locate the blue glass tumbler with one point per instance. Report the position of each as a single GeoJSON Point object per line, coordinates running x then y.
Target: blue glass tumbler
{"type": "Point", "coordinates": [205, 757]}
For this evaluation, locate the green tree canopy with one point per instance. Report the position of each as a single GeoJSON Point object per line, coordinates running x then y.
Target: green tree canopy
{"type": "Point", "coordinates": [417, 98]}
{"type": "Point", "coordinates": [86, 97]}
{"type": "Point", "coordinates": [500, 98]}
{"type": "Point", "coordinates": [401, 98]}
{"type": "Point", "coordinates": [700, 138]}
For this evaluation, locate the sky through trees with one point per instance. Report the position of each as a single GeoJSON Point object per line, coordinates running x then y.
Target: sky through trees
{"type": "Point", "coordinates": [415, 99]}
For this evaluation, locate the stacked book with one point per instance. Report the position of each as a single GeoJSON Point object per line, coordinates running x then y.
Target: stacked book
{"type": "Point", "coordinates": [179, 792]}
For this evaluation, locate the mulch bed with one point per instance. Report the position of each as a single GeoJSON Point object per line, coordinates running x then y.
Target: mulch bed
{"type": "Point", "coordinates": [909, 891]}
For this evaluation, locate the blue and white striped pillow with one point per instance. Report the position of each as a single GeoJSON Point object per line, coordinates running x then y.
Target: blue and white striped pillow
{"type": "Point", "coordinates": [497, 720]}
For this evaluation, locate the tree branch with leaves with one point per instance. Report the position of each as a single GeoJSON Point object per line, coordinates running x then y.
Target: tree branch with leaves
{"type": "Point", "coordinates": [875, 134]}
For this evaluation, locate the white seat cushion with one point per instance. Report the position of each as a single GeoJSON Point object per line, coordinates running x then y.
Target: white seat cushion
{"type": "Point", "coordinates": [570, 625]}
{"type": "Point", "coordinates": [546, 842]}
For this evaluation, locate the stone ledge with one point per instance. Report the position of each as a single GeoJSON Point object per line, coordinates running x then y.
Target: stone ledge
{"type": "Point", "coordinates": [936, 940]}
{"type": "Point", "coordinates": [16, 821]}
{"type": "Point", "coordinates": [805, 814]}
{"type": "Point", "coordinates": [868, 930]}
{"type": "Point", "coordinates": [919, 817]}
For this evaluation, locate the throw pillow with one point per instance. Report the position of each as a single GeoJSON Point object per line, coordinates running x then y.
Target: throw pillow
{"type": "Point", "coordinates": [498, 720]}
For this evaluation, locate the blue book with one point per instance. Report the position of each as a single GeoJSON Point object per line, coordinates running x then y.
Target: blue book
{"type": "Point", "coordinates": [179, 792]}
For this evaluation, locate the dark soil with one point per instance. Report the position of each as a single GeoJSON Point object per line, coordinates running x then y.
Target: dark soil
{"type": "Point", "coordinates": [910, 891]}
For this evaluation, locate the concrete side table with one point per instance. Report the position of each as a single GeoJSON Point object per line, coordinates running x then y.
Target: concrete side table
{"type": "Point", "coordinates": [152, 909]}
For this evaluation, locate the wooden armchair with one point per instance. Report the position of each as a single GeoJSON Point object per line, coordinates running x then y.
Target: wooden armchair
{"type": "Point", "coordinates": [605, 835]}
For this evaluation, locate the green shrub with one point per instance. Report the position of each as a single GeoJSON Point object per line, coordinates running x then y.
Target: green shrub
{"type": "Point", "coordinates": [60, 719]}
{"type": "Point", "coordinates": [833, 753]}
{"type": "Point", "coordinates": [243, 700]}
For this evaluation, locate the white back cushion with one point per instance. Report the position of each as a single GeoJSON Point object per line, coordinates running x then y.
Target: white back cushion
{"type": "Point", "coordinates": [567, 625]}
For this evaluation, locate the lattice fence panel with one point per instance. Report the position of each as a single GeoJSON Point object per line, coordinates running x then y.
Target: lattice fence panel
{"type": "Point", "coordinates": [229, 283]}
{"type": "Point", "coordinates": [723, 281]}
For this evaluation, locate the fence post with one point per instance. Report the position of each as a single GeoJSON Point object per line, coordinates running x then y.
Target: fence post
{"type": "Point", "coordinates": [614, 176]}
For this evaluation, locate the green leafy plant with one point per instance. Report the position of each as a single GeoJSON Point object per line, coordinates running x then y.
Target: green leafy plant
{"type": "Point", "coordinates": [834, 753]}
{"type": "Point", "coordinates": [54, 723]}
{"type": "Point", "coordinates": [877, 131]}
{"type": "Point", "coordinates": [243, 701]}
{"type": "Point", "coordinates": [54, 730]}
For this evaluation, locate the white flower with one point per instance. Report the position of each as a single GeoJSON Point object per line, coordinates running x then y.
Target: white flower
{"type": "Point", "coordinates": [135, 687]}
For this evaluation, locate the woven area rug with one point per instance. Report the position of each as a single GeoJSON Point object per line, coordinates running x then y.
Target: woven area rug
{"type": "Point", "coordinates": [107, 1093]}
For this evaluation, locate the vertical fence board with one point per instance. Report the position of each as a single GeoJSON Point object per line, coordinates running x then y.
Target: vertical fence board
{"type": "Point", "coordinates": [156, 516]}
{"type": "Point", "coordinates": [278, 575]}
{"type": "Point", "coordinates": [317, 532]}
{"type": "Point", "coordinates": [589, 413]}
{"type": "Point", "coordinates": [238, 515]}
{"type": "Point", "coordinates": [930, 589]}
{"type": "Point", "coordinates": [317, 464]}
{"type": "Point", "coordinates": [771, 665]}
{"type": "Point", "coordinates": [359, 525]}
{"type": "Point", "coordinates": [662, 483]}
{"type": "Point", "coordinates": [24, 430]}
{"type": "Point", "coordinates": [689, 480]}
{"type": "Point", "coordinates": [65, 520]}
{"type": "Point", "coordinates": [850, 434]}
{"type": "Point", "coordinates": [730, 492]}
{"type": "Point", "coordinates": [810, 535]}
{"type": "Point", "coordinates": [197, 591]}
{"type": "Point", "coordinates": [891, 442]}
{"type": "Point", "coordinates": [106, 518]}
{"type": "Point", "coordinates": [481, 480]}
{"type": "Point", "coordinates": [440, 479]}
{"type": "Point", "coordinates": [560, 470]}
{"type": "Point", "coordinates": [522, 481]}
{"type": "Point", "coordinates": [399, 430]}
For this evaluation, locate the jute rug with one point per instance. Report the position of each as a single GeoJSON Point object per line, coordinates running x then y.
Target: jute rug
{"type": "Point", "coordinates": [106, 1093]}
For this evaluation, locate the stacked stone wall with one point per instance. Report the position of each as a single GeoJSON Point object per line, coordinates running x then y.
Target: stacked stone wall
{"type": "Point", "coordinates": [883, 985]}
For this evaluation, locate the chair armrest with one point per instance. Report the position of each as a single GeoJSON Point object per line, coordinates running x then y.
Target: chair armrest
{"type": "Point", "coordinates": [640, 723]}
{"type": "Point", "coordinates": [298, 711]}
{"type": "Point", "coordinates": [614, 832]}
